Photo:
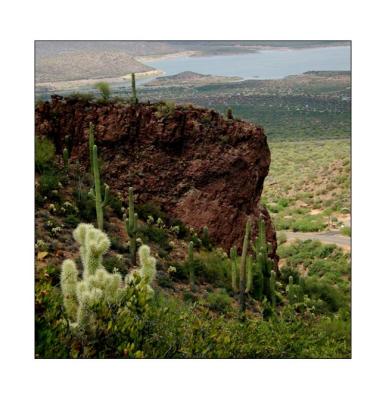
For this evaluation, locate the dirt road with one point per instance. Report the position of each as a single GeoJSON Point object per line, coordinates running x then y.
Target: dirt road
{"type": "Point", "coordinates": [324, 237]}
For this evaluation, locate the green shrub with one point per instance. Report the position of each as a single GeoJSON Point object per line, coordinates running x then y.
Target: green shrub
{"type": "Point", "coordinates": [86, 206]}
{"type": "Point", "coordinates": [115, 263]}
{"type": "Point", "coordinates": [219, 301]}
{"type": "Point", "coordinates": [165, 109]}
{"type": "Point", "coordinates": [308, 224]}
{"type": "Point", "coordinates": [49, 185]}
{"type": "Point", "coordinates": [44, 154]}
{"type": "Point", "coordinates": [214, 268]}
{"type": "Point", "coordinates": [72, 220]}
{"type": "Point", "coordinates": [104, 90]}
{"type": "Point", "coordinates": [156, 235]}
{"type": "Point", "coordinates": [346, 230]}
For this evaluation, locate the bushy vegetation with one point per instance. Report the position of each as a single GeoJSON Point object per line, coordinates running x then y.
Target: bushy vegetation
{"type": "Point", "coordinates": [191, 306]}
{"type": "Point", "coordinates": [308, 187]}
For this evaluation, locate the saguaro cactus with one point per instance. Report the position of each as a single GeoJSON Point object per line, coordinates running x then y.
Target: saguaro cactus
{"type": "Point", "coordinates": [233, 255]}
{"type": "Point", "coordinates": [302, 288]}
{"type": "Point", "coordinates": [291, 291]}
{"type": "Point", "coordinates": [91, 143]}
{"type": "Point", "coordinates": [250, 274]}
{"type": "Point", "coordinates": [131, 224]}
{"type": "Point", "coordinates": [243, 265]}
{"type": "Point", "coordinates": [264, 263]}
{"type": "Point", "coordinates": [134, 98]}
{"type": "Point", "coordinates": [65, 158]}
{"type": "Point", "coordinates": [191, 266]}
{"type": "Point", "coordinates": [96, 194]}
{"type": "Point", "coordinates": [272, 284]}
{"type": "Point", "coordinates": [205, 238]}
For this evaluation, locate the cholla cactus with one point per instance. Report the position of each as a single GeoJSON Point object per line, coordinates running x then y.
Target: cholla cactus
{"type": "Point", "coordinates": [98, 286]}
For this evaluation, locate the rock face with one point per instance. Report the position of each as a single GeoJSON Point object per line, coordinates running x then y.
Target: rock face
{"type": "Point", "coordinates": [193, 163]}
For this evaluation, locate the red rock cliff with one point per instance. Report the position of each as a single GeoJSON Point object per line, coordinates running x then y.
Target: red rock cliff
{"type": "Point", "coordinates": [198, 166]}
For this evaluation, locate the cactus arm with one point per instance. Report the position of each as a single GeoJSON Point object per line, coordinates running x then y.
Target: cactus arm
{"type": "Point", "coordinates": [249, 275]}
{"type": "Point", "coordinates": [106, 195]}
{"type": "Point", "coordinates": [98, 200]}
{"type": "Point", "coordinates": [65, 158]}
{"type": "Point", "coordinates": [233, 255]}
{"type": "Point", "coordinates": [272, 286]}
{"type": "Point", "coordinates": [243, 265]}
{"type": "Point", "coordinates": [91, 143]}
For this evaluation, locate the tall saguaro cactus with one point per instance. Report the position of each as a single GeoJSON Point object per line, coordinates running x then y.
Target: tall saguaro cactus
{"type": "Point", "coordinates": [91, 143]}
{"type": "Point", "coordinates": [96, 193]}
{"type": "Point", "coordinates": [243, 265]}
{"type": "Point", "coordinates": [233, 255]}
{"type": "Point", "coordinates": [264, 265]}
{"type": "Point", "coordinates": [134, 98]}
{"type": "Point", "coordinates": [131, 225]}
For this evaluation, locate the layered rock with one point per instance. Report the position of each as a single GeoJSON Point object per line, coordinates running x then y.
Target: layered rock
{"type": "Point", "coordinates": [196, 165]}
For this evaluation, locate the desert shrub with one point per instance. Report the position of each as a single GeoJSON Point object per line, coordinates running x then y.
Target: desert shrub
{"type": "Point", "coordinates": [117, 245]}
{"type": "Point", "coordinates": [346, 230]}
{"type": "Point", "coordinates": [49, 185]}
{"type": "Point", "coordinates": [81, 97]}
{"type": "Point", "coordinates": [281, 238]}
{"type": "Point", "coordinates": [156, 235]}
{"type": "Point", "coordinates": [50, 326]}
{"type": "Point", "coordinates": [164, 280]}
{"type": "Point", "coordinates": [318, 289]}
{"type": "Point", "coordinates": [214, 268]}
{"type": "Point", "coordinates": [116, 205]}
{"type": "Point", "coordinates": [185, 330]}
{"type": "Point", "coordinates": [115, 263]}
{"type": "Point", "coordinates": [286, 272]}
{"type": "Point", "coordinates": [104, 90]}
{"type": "Point", "coordinates": [218, 301]}
{"type": "Point", "coordinates": [308, 224]}
{"type": "Point", "coordinates": [165, 109]}
{"type": "Point", "coordinates": [146, 209]}
{"type": "Point", "coordinates": [183, 231]}
{"type": "Point", "coordinates": [44, 154]}
{"type": "Point", "coordinates": [72, 220]}
{"type": "Point", "coordinates": [86, 206]}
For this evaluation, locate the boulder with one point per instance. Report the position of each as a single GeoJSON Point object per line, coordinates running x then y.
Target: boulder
{"type": "Point", "coordinates": [196, 165]}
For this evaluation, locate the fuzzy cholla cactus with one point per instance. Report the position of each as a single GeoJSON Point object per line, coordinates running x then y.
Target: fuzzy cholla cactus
{"type": "Point", "coordinates": [98, 286]}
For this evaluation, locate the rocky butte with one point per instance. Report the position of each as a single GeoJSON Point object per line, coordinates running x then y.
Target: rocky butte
{"type": "Point", "coordinates": [196, 165]}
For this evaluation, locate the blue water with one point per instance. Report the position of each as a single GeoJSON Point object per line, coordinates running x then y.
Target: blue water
{"type": "Point", "coordinates": [265, 64]}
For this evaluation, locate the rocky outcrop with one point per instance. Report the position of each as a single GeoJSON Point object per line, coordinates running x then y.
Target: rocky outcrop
{"type": "Point", "coordinates": [196, 165]}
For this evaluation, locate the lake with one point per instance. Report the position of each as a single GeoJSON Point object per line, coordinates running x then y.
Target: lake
{"type": "Point", "coordinates": [265, 64]}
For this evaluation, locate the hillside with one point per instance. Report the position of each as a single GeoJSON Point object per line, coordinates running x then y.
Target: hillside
{"type": "Point", "coordinates": [197, 181]}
